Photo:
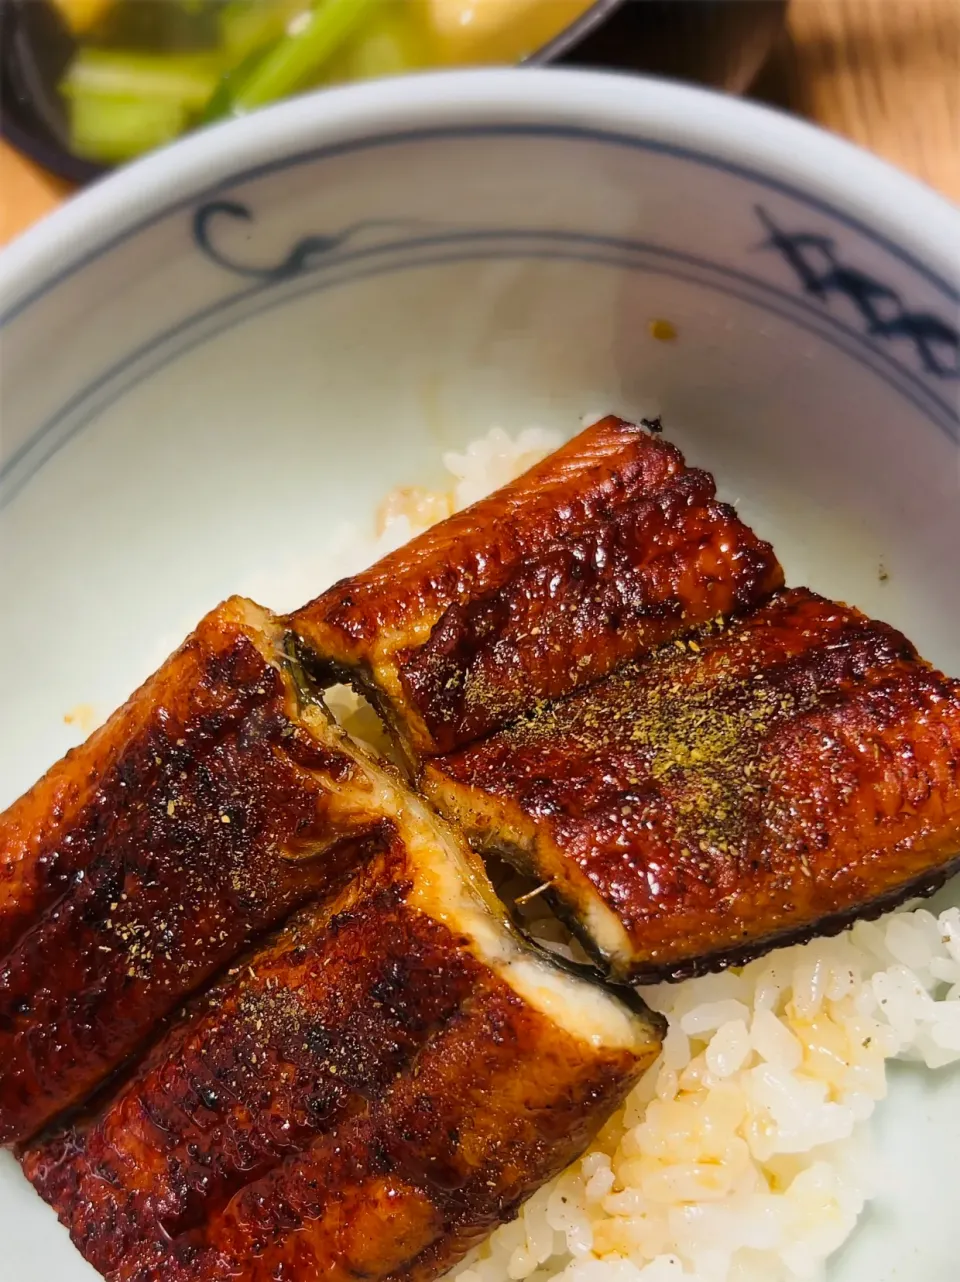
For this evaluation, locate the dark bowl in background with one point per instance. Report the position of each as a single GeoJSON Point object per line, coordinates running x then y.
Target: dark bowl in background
{"type": "Point", "coordinates": [721, 43]}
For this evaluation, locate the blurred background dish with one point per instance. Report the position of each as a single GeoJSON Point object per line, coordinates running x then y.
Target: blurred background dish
{"type": "Point", "coordinates": [87, 84]}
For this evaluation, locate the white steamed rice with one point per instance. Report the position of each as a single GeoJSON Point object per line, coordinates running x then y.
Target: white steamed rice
{"type": "Point", "coordinates": [742, 1154]}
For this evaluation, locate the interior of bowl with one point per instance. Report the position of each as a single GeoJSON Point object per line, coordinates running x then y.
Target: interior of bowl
{"type": "Point", "coordinates": [230, 376]}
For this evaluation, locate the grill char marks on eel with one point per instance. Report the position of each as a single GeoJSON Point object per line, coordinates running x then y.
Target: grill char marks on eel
{"type": "Point", "coordinates": [601, 552]}
{"type": "Point", "coordinates": [197, 817]}
{"type": "Point", "coordinates": [368, 1095]}
{"type": "Point", "coordinates": [752, 785]}
{"type": "Point", "coordinates": [597, 673]}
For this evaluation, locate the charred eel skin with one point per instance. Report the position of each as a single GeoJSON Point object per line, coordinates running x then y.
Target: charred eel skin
{"type": "Point", "coordinates": [371, 1089]}
{"type": "Point", "coordinates": [368, 1095]}
{"type": "Point", "coordinates": [600, 553]}
{"type": "Point", "coordinates": [742, 771]}
{"type": "Point", "coordinates": [760, 782]}
{"type": "Point", "coordinates": [203, 811]}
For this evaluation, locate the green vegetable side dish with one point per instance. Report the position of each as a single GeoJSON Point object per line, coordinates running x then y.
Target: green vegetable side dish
{"type": "Point", "coordinates": [146, 71]}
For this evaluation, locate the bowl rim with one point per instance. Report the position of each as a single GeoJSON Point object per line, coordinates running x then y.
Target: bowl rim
{"type": "Point", "coordinates": [914, 222]}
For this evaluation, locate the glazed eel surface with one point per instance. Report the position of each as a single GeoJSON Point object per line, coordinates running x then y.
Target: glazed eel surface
{"type": "Point", "coordinates": [261, 1012]}
{"type": "Point", "coordinates": [766, 779]}
{"type": "Point", "coordinates": [368, 1094]}
{"type": "Point", "coordinates": [197, 817]}
{"type": "Point", "coordinates": [600, 676]}
{"type": "Point", "coordinates": [601, 552]}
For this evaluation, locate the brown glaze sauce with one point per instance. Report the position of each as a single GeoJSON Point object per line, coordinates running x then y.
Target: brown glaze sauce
{"type": "Point", "coordinates": [179, 859]}
{"type": "Point", "coordinates": [745, 783]}
{"type": "Point", "coordinates": [366, 1061]}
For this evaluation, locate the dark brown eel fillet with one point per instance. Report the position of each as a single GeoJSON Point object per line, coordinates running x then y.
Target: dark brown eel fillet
{"type": "Point", "coordinates": [598, 554]}
{"type": "Point", "coordinates": [197, 817]}
{"type": "Point", "coordinates": [367, 1096]}
{"type": "Point", "coordinates": [601, 677]}
{"type": "Point", "coordinates": [752, 785]}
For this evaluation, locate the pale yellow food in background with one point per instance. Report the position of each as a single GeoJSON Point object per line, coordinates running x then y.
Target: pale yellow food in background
{"type": "Point", "coordinates": [497, 30]}
{"type": "Point", "coordinates": [80, 15]}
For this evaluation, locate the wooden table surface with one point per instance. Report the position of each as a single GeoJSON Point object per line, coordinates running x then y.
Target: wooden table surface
{"type": "Point", "coordinates": [885, 73]}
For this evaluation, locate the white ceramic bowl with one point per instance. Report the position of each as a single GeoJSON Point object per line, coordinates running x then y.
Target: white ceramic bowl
{"type": "Point", "coordinates": [216, 356]}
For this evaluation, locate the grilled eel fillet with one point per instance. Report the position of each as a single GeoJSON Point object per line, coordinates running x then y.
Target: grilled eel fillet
{"type": "Point", "coordinates": [755, 784]}
{"type": "Point", "coordinates": [203, 811]}
{"type": "Point", "coordinates": [601, 552]}
{"type": "Point", "coordinates": [366, 1096]}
